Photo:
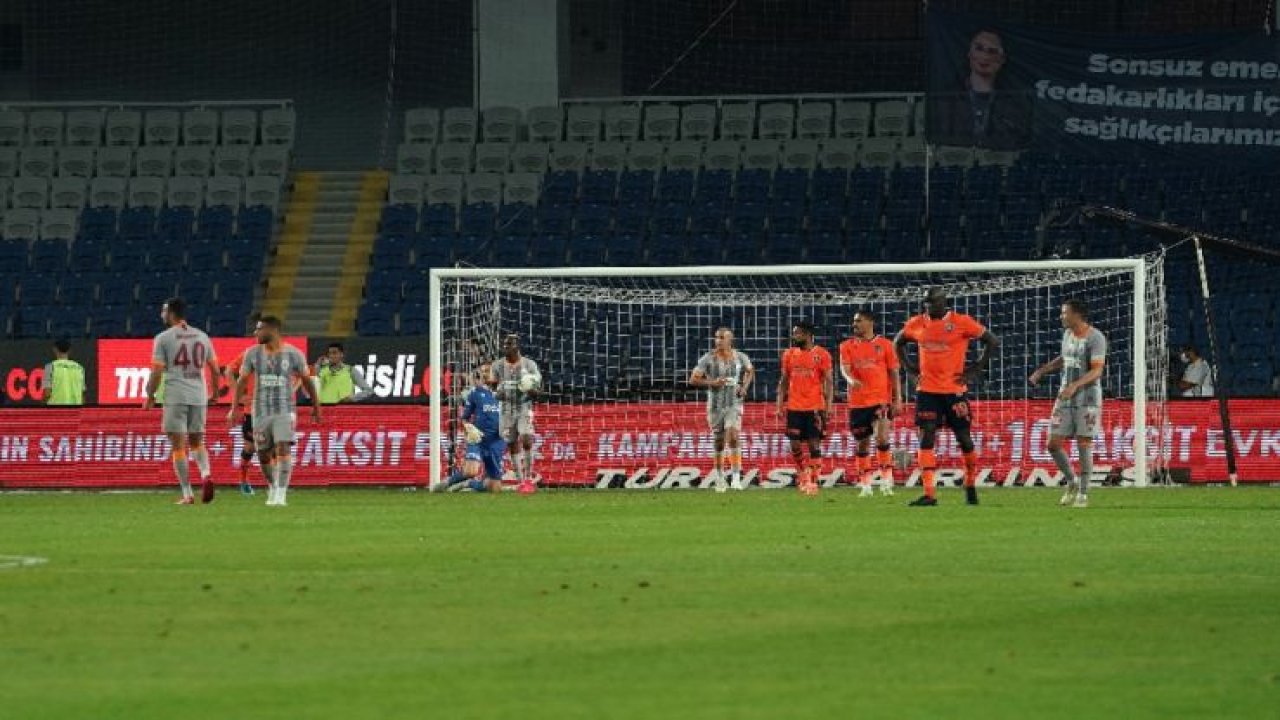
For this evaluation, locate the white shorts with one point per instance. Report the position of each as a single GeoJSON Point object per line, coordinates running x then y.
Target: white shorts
{"type": "Point", "coordinates": [727, 418]}
{"type": "Point", "coordinates": [272, 430]}
{"type": "Point", "coordinates": [513, 425]}
{"type": "Point", "coordinates": [1071, 421]}
{"type": "Point", "coordinates": [185, 419]}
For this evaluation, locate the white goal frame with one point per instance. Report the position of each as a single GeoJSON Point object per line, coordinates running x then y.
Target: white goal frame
{"type": "Point", "coordinates": [1137, 266]}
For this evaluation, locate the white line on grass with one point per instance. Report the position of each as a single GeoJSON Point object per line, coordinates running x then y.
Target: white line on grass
{"type": "Point", "coordinates": [13, 562]}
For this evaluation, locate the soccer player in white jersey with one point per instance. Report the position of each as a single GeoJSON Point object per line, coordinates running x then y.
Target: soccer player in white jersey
{"type": "Point", "coordinates": [277, 369]}
{"type": "Point", "coordinates": [182, 355]}
{"type": "Point", "coordinates": [1077, 412]}
{"type": "Point", "coordinates": [726, 373]}
{"type": "Point", "coordinates": [519, 383]}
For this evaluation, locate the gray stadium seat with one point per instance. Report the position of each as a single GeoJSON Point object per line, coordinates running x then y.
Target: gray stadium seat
{"type": "Point", "coordinates": [568, 155]}
{"type": "Point", "coordinates": [683, 155]}
{"type": "Point", "coordinates": [200, 127]}
{"type": "Point", "coordinates": [838, 154]}
{"type": "Point", "coordinates": [608, 156]}
{"type": "Point", "coordinates": [777, 121]}
{"type": "Point", "coordinates": [422, 125]}
{"type": "Point", "coordinates": [760, 155]}
{"type": "Point", "coordinates": [951, 156]}
{"type": "Point", "coordinates": [30, 192]}
{"type": "Point", "coordinates": [59, 224]}
{"type": "Point", "coordinates": [737, 120]}
{"type": "Point", "coordinates": [413, 158]}
{"type": "Point", "coordinates": [194, 160]}
{"type": "Point", "coordinates": [722, 155]}
{"type": "Point", "coordinates": [8, 162]}
{"type": "Point", "coordinates": [262, 190]}
{"type": "Point", "coordinates": [583, 123]}
{"type": "Point", "coordinates": [84, 127]}
{"type": "Point", "coordinates": [893, 118]}
{"type": "Point", "coordinates": [493, 157]}
{"type": "Point", "coordinates": [917, 116]}
{"type": "Point", "coordinates": [531, 157]}
{"type": "Point", "coordinates": [813, 120]}
{"type": "Point", "coordinates": [239, 126]}
{"type": "Point", "coordinates": [645, 155]}
{"type": "Point", "coordinates": [6, 191]}
{"type": "Point", "coordinates": [76, 161]}
{"type": "Point", "coordinates": [69, 192]}
{"type": "Point", "coordinates": [231, 160]}
{"type": "Point", "coordinates": [44, 127]}
{"type": "Point", "coordinates": [405, 189]}
{"type": "Point", "coordinates": [484, 188]}
{"type": "Point", "coordinates": [459, 125]}
{"type": "Point", "coordinates": [545, 123]}
{"type": "Point", "coordinates": [912, 153]}
{"type": "Point", "coordinates": [878, 152]}
{"type": "Point", "coordinates": [800, 154]}
{"type": "Point", "coordinates": [13, 127]}
{"type": "Point", "coordinates": [146, 192]}
{"type": "Point", "coordinates": [224, 190]}
{"type": "Point", "coordinates": [107, 192]}
{"type": "Point", "coordinates": [521, 187]}
{"type": "Point", "coordinates": [697, 121]}
{"type": "Point", "coordinates": [184, 191]}
{"type": "Point", "coordinates": [278, 126]}
{"type": "Point", "coordinates": [161, 127]}
{"type": "Point", "coordinates": [115, 162]}
{"type": "Point", "coordinates": [622, 123]}
{"type": "Point", "coordinates": [21, 224]}
{"type": "Point", "coordinates": [661, 122]}
{"type": "Point", "coordinates": [454, 158]}
{"type": "Point", "coordinates": [853, 119]}
{"type": "Point", "coordinates": [502, 124]}
{"type": "Point", "coordinates": [1003, 158]}
{"type": "Point", "coordinates": [444, 189]}
{"type": "Point", "coordinates": [270, 160]}
{"type": "Point", "coordinates": [124, 127]}
{"type": "Point", "coordinates": [37, 161]}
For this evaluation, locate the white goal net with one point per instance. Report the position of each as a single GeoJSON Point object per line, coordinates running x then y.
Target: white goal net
{"type": "Point", "coordinates": [616, 347]}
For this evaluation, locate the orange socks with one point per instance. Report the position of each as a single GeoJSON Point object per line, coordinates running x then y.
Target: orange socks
{"type": "Point", "coordinates": [971, 469]}
{"type": "Point", "coordinates": [928, 461]}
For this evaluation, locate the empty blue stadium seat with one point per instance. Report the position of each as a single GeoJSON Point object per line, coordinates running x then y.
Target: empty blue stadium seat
{"type": "Point", "coordinates": [477, 219]}
{"type": "Point", "coordinates": [109, 320]}
{"type": "Point", "coordinates": [675, 186]}
{"type": "Point", "coordinates": [599, 186]}
{"type": "Point", "coordinates": [517, 219]}
{"type": "Point", "coordinates": [48, 256]}
{"type": "Point", "coordinates": [38, 290]}
{"type": "Point", "coordinates": [399, 219]}
{"type": "Point", "coordinates": [413, 318]}
{"type": "Point", "coordinates": [137, 223]}
{"type": "Point", "coordinates": [511, 251]}
{"type": "Point", "coordinates": [555, 218]}
{"type": "Point", "coordinates": [560, 187]}
{"type": "Point", "coordinates": [635, 186]}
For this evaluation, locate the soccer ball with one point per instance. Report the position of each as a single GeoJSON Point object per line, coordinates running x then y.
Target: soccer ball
{"type": "Point", "coordinates": [529, 382]}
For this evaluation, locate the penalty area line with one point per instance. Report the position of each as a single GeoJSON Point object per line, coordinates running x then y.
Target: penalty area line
{"type": "Point", "coordinates": [13, 562]}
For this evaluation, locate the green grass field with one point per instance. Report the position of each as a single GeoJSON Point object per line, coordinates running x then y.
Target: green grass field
{"type": "Point", "coordinates": [380, 604]}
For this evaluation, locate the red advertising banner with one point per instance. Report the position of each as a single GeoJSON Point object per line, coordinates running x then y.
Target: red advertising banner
{"type": "Point", "coordinates": [653, 445]}
{"type": "Point", "coordinates": [125, 365]}
{"type": "Point", "coordinates": [107, 447]}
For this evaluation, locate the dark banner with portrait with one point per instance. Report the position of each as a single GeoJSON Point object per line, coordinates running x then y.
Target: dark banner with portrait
{"type": "Point", "coordinates": [996, 85]}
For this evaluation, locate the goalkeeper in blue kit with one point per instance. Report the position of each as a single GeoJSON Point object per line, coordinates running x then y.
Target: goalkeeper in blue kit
{"type": "Point", "coordinates": [482, 465]}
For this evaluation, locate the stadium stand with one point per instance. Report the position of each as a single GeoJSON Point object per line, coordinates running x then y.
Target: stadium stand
{"type": "Point", "coordinates": [108, 212]}
{"type": "Point", "coordinates": [783, 180]}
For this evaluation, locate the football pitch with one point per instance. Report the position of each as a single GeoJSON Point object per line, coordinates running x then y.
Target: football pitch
{"type": "Point", "coordinates": [1160, 603]}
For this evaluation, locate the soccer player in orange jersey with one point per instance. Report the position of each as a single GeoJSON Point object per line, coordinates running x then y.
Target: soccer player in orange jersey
{"type": "Point", "coordinates": [943, 337]}
{"type": "Point", "coordinates": [870, 368]}
{"type": "Point", "coordinates": [804, 395]}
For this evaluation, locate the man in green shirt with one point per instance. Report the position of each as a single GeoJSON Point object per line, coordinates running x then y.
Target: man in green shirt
{"type": "Point", "coordinates": [63, 378]}
{"type": "Point", "coordinates": [339, 382]}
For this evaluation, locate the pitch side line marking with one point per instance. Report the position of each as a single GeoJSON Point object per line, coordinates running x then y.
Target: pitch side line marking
{"type": "Point", "coordinates": [13, 562]}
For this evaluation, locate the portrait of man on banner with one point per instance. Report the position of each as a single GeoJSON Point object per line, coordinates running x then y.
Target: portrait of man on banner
{"type": "Point", "coordinates": [978, 104]}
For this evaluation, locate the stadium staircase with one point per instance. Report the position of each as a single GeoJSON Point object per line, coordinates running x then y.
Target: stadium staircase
{"type": "Point", "coordinates": [316, 280]}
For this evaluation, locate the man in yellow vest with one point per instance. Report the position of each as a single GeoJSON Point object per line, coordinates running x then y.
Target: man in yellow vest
{"type": "Point", "coordinates": [63, 378]}
{"type": "Point", "coordinates": [339, 382]}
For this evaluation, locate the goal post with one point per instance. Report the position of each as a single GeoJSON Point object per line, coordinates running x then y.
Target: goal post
{"type": "Point", "coordinates": [616, 345]}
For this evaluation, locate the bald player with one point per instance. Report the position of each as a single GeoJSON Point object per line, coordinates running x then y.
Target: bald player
{"type": "Point", "coordinates": [943, 336]}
